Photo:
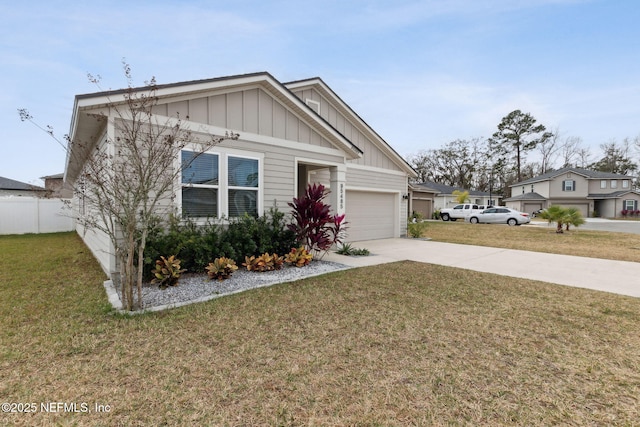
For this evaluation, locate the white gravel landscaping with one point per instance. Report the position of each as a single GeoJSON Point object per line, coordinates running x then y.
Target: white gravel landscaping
{"type": "Point", "coordinates": [194, 288]}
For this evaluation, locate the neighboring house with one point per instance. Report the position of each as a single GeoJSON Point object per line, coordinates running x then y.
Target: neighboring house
{"type": "Point", "coordinates": [593, 193]}
{"type": "Point", "coordinates": [55, 186]}
{"type": "Point", "coordinates": [291, 135]}
{"type": "Point", "coordinates": [421, 200]}
{"type": "Point", "coordinates": [10, 187]}
{"type": "Point", "coordinates": [444, 197]}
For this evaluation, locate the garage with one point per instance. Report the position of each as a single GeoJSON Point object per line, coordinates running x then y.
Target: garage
{"type": "Point", "coordinates": [370, 215]}
{"type": "Point", "coordinates": [422, 207]}
{"type": "Point", "coordinates": [531, 207]}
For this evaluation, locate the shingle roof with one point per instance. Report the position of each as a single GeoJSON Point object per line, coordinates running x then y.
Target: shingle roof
{"type": "Point", "coordinates": [526, 196]}
{"type": "Point", "coordinates": [12, 184]}
{"type": "Point", "coordinates": [589, 174]}
{"type": "Point", "coordinates": [614, 195]}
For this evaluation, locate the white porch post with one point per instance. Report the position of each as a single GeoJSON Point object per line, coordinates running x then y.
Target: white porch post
{"type": "Point", "coordinates": [338, 178]}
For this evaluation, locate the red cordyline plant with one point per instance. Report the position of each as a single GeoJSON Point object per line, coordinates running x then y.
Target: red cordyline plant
{"type": "Point", "coordinates": [315, 227]}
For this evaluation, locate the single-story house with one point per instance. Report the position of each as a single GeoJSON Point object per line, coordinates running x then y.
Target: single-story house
{"type": "Point", "coordinates": [443, 196]}
{"type": "Point", "coordinates": [421, 200]}
{"type": "Point", "coordinates": [290, 135]}
{"type": "Point", "coordinates": [11, 187]}
{"type": "Point", "coordinates": [593, 193]}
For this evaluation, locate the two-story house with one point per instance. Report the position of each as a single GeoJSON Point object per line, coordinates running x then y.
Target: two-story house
{"type": "Point", "coordinates": [593, 193]}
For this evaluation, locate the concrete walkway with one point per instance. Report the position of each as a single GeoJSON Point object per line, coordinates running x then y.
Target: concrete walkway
{"type": "Point", "coordinates": [620, 277]}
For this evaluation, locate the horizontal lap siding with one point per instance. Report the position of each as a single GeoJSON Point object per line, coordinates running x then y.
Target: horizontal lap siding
{"type": "Point", "coordinates": [279, 169]}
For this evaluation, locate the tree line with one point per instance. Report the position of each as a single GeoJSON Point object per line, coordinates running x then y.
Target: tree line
{"type": "Point", "coordinates": [495, 163]}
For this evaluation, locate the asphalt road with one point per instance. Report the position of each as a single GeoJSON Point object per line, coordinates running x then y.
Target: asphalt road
{"type": "Point", "coordinates": [602, 224]}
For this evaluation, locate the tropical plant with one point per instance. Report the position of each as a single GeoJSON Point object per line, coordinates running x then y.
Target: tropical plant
{"type": "Point", "coordinates": [313, 224]}
{"type": "Point", "coordinates": [221, 268]}
{"type": "Point", "coordinates": [562, 217]}
{"type": "Point", "coordinates": [349, 250]}
{"type": "Point", "coordinates": [574, 217]}
{"type": "Point", "coordinates": [298, 257]}
{"type": "Point", "coordinates": [265, 262]}
{"type": "Point", "coordinates": [460, 196]}
{"type": "Point", "coordinates": [555, 214]}
{"type": "Point", "coordinates": [167, 272]}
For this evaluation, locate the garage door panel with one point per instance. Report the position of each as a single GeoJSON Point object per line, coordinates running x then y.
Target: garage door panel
{"type": "Point", "coordinates": [370, 215]}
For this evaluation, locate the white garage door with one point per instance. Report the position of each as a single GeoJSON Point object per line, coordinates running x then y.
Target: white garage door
{"type": "Point", "coordinates": [370, 215]}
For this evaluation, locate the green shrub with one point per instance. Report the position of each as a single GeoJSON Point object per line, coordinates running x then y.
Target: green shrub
{"type": "Point", "coordinates": [416, 229]}
{"type": "Point", "coordinates": [196, 245]}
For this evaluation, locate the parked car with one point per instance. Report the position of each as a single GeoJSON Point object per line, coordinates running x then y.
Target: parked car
{"type": "Point", "coordinates": [500, 216]}
{"type": "Point", "coordinates": [460, 211]}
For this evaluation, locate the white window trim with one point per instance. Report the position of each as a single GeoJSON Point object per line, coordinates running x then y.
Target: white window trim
{"type": "Point", "coordinates": [258, 190]}
{"type": "Point", "coordinates": [603, 183]}
{"type": "Point", "coordinates": [614, 183]}
{"type": "Point", "coordinates": [223, 187]}
{"type": "Point", "coordinates": [625, 183]}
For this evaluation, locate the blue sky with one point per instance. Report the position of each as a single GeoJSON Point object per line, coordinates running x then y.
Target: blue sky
{"type": "Point", "coordinates": [421, 73]}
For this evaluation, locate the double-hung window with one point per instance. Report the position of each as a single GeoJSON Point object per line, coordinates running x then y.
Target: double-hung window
{"type": "Point", "coordinates": [200, 184]}
{"type": "Point", "coordinates": [242, 182]}
{"type": "Point", "coordinates": [568, 185]}
{"type": "Point", "coordinates": [630, 205]}
{"type": "Point", "coordinates": [219, 185]}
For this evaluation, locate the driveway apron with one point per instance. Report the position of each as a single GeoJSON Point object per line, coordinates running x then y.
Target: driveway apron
{"type": "Point", "coordinates": [620, 277]}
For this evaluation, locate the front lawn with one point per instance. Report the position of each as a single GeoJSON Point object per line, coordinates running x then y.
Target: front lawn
{"type": "Point", "coordinates": [539, 238]}
{"type": "Point", "coordinates": [400, 344]}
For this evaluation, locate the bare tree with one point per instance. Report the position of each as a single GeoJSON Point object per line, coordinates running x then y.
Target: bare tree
{"type": "Point", "coordinates": [572, 153]}
{"type": "Point", "coordinates": [128, 180]}
{"type": "Point", "coordinates": [549, 150]}
{"type": "Point", "coordinates": [457, 163]}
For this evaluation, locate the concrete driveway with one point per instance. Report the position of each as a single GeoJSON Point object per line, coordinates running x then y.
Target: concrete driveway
{"type": "Point", "coordinates": [620, 277]}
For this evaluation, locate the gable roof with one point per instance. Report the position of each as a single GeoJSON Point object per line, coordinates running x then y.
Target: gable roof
{"type": "Point", "coordinates": [447, 189]}
{"type": "Point", "coordinates": [589, 174]}
{"type": "Point", "coordinates": [526, 196]}
{"type": "Point", "coordinates": [318, 84]}
{"type": "Point", "coordinates": [12, 184]}
{"type": "Point", "coordinates": [87, 122]}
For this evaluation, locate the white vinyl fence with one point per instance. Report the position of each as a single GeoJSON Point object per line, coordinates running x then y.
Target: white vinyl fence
{"type": "Point", "coordinates": [19, 215]}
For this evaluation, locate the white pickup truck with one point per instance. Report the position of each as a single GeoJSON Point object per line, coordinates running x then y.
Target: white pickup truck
{"type": "Point", "coordinates": [461, 211]}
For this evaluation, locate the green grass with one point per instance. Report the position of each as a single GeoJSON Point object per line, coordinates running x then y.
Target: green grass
{"type": "Point", "coordinates": [399, 344]}
{"type": "Point", "coordinates": [576, 241]}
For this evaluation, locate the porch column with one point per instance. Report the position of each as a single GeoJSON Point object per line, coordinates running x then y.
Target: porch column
{"type": "Point", "coordinates": [338, 178]}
